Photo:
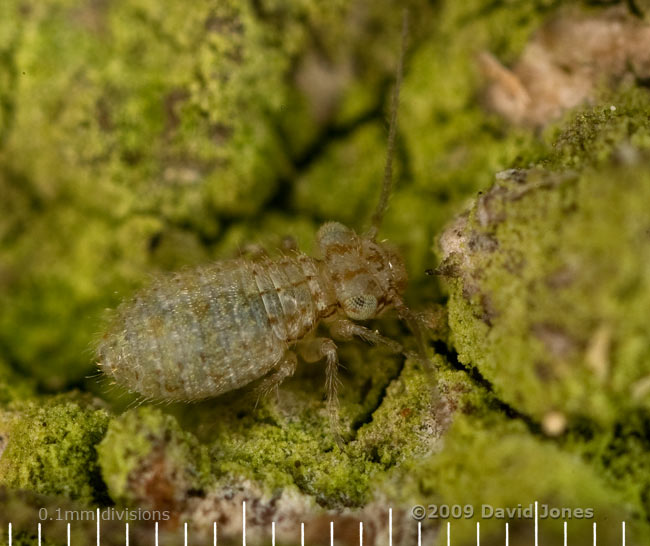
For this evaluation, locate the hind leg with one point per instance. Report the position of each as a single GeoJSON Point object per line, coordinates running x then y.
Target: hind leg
{"type": "Point", "coordinates": [283, 369]}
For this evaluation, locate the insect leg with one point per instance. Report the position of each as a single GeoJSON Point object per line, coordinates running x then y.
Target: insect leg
{"type": "Point", "coordinates": [312, 350]}
{"type": "Point", "coordinates": [283, 369]}
{"type": "Point", "coordinates": [345, 330]}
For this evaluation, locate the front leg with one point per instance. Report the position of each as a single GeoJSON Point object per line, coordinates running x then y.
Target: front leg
{"type": "Point", "coordinates": [346, 330]}
{"type": "Point", "coordinates": [313, 350]}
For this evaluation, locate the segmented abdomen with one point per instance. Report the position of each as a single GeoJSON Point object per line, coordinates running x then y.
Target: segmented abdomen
{"type": "Point", "coordinates": [206, 331]}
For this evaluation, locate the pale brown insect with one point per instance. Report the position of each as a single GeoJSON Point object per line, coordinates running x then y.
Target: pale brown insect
{"type": "Point", "coordinates": [204, 332]}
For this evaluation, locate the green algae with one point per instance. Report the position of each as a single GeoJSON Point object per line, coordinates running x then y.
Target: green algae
{"type": "Point", "coordinates": [146, 459]}
{"type": "Point", "coordinates": [548, 290]}
{"type": "Point", "coordinates": [13, 386]}
{"type": "Point", "coordinates": [609, 131]}
{"type": "Point", "coordinates": [49, 447]}
{"type": "Point", "coordinates": [618, 453]}
{"type": "Point", "coordinates": [453, 145]}
{"type": "Point", "coordinates": [350, 170]}
{"type": "Point", "coordinates": [484, 445]}
{"type": "Point", "coordinates": [551, 311]}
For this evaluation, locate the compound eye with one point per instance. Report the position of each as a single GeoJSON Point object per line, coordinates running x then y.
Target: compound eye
{"type": "Point", "coordinates": [360, 307]}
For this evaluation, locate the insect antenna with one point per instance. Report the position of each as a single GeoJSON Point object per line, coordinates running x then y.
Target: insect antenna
{"type": "Point", "coordinates": [387, 183]}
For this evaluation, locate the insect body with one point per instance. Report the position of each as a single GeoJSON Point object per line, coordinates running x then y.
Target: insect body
{"type": "Point", "coordinates": [207, 331]}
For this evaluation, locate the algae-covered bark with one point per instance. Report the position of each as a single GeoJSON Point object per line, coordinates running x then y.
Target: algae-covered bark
{"type": "Point", "coordinates": [140, 137]}
{"type": "Point", "coordinates": [48, 447]}
{"type": "Point", "coordinates": [550, 298]}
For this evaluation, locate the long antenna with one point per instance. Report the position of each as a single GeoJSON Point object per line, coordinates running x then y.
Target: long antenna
{"type": "Point", "coordinates": [378, 216]}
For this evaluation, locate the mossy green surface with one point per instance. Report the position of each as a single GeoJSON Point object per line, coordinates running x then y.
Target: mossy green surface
{"type": "Point", "coordinates": [12, 385]}
{"type": "Point", "coordinates": [552, 310]}
{"type": "Point", "coordinates": [145, 457]}
{"type": "Point", "coordinates": [453, 146]}
{"type": "Point", "coordinates": [48, 447]}
{"type": "Point", "coordinates": [489, 464]}
{"type": "Point", "coordinates": [549, 289]}
{"type": "Point", "coordinates": [548, 278]}
{"type": "Point", "coordinates": [615, 129]}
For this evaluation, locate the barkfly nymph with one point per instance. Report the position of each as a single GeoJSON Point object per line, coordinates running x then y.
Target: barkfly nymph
{"type": "Point", "coordinates": [213, 329]}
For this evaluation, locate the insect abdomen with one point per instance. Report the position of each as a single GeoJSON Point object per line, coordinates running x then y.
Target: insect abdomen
{"type": "Point", "coordinates": [207, 331]}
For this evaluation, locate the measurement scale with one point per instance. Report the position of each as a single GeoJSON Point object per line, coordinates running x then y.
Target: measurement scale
{"type": "Point", "coordinates": [534, 541]}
